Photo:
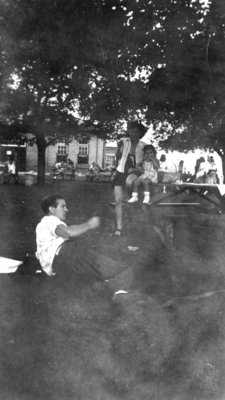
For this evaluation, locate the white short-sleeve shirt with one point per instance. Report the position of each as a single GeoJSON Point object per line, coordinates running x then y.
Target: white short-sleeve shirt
{"type": "Point", "coordinates": [47, 241]}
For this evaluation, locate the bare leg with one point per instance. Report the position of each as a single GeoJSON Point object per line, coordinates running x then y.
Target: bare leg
{"type": "Point", "coordinates": [118, 192]}
{"type": "Point", "coordinates": [130, 182]}
{"type": "Point", "coordinates": [119, 197]}
{"type": "Point", "coordinates": [133, 182]}
{"type": "Point", "coordinates": [137, 184]}
{"type": "Point", "coordinates": [146, 183]}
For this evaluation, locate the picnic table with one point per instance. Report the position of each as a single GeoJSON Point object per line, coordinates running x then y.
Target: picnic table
{"type": "Point", "coordinates": [181, 194]}
{"type": "Point", "coordinates": [174, 204]}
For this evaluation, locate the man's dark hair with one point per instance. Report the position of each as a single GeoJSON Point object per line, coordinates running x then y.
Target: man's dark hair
{"type": "Point", "coordinates": [136, 124]}
{"type": "Point", "coordinates": [50, 200]}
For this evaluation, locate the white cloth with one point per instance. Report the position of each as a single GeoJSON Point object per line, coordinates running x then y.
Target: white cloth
{"type": "Point", "coordinates": [125, 152]}
{"type": "Point", "coordinates": [139, 154]}
{"type": "Point", "coordinates": [11, 168]}
{"type": "Point", "coordinates": [47, 241]}
{"type": "Point", "coordinates": [149, 171]}
{"type": "Point", "coordinates": [221, 189]}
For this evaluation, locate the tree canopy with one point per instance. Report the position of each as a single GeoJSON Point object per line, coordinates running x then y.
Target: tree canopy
{"type": "Point", "coordinates": [118, 59]}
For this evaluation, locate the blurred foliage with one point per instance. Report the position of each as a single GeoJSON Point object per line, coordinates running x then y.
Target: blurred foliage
{"type": "Point", "coordinates": [117, 60]}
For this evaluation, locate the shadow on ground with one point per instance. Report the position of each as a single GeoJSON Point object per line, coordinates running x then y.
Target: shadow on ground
{"type": "Point", "coordinates": [69, 340]}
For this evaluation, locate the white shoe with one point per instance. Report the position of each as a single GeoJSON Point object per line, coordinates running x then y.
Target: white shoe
{"type": "Point", "coordinates": [146, 200]}
{"type": "Point", "coordinates": [133, 200]}
{"type": "Point", "coordinates": [119, 294]}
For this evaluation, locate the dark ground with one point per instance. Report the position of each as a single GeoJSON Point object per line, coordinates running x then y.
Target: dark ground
{"type": "Point", "coordinates": [70, 341]}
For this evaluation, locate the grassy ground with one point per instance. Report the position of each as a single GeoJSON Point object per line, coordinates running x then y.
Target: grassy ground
{"type": "Point", "coordinates": [69, 341]}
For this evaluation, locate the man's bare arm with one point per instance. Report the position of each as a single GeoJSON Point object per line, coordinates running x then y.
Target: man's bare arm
{"type": "Point", "coordinates": [71, 231]}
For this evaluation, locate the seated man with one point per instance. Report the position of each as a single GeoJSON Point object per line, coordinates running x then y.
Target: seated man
{"type": "Point", "coordinates": [212, 176]}
{"type": "Point", "coordinates": [60, 254]}
{"type": "Point", "coordinates": [167, 172]}
{"type": "Point", "coordinates": [96, 173]}
{"type": "Point", "coordinates": [58, 171]}
{"type": "Point", "coordinates": [201, 169]}
{"type": "Point", "coordinates": [10, 173]}
{"type": "Point", "coordinates": [166, 166]}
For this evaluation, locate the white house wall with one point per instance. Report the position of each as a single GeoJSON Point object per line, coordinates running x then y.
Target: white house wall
{"type": "Point", "coordinates": [73, 151]}
{"type": "Point", "coordinates": [32, 157]}
{"type": "Point", "coordinates": [96, 153]}
{"type": "Point", "coordinates": [50, 156]}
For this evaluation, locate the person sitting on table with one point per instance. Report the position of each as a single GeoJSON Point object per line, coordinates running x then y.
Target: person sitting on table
{"type": "Point", "coordinates": [61, 254]}
{"type": "Point", "coordinates": [165, 165]}
{"type": "Point", "coordinates": [149, 169]}
{"type": "Point", "coordinates": [211, 176]}
{"type": "Point", "coordinates": [129, 153]}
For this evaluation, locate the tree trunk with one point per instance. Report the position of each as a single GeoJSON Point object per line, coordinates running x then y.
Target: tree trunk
{"type": "Point", "coordinates": [221, 153]}
{"type": "Point", "coordinates": [41, 146]}
{"type": "Point", "coordinates": [223, 166]}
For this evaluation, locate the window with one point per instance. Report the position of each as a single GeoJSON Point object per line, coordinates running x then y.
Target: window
{"type": "Point", "coordinates": [83, 149]}
{"type": "Point", "coordinates": [109, 160]}
{"type": "Point", "coordinates": [83, 153]}
{"type": "Point", "coordinates": [62, 149]}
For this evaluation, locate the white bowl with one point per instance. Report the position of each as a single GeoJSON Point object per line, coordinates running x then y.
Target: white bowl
{"type": "Point", "coordinates": [8, 265]}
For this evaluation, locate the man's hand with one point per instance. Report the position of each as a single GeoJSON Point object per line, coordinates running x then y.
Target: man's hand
{"type": "Point", "coordinates": [93, 222]}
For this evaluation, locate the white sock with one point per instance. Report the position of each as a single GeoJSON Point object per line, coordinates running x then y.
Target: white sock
{"type": "Point", "coordinates": [146, 197]}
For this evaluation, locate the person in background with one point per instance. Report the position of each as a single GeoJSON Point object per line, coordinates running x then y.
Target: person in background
{"type": "Point", "coordinates": [212, 177]}
{"type": "Point", "coordinates": [149, 168]}
{"type": "Point", "coordinates": [212, 163]}
{"type": "Point", "coordinates": [201, 169]}
{"type": "Point", "coordinates": [69, 163]}
{"type": "Point", "coordinates": [11, 173]}
{"type": "Point", "coordinates": [59, 170]}
{"type": "Point", "coordinates": [129, 154]}
{"type": "Point", "coordinates": [165, 165]}
{"type": "Point", "coordinates": [181, 167]}
{"type": "Point", "coordinates": [95, 168]}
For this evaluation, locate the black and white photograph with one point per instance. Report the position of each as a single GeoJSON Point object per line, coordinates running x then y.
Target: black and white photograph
{"type": "Point", "coordinates": [112, 199]}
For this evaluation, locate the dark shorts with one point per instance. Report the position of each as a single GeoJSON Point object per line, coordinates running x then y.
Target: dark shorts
{"type": "Point", "coordinates": [75, 261]}
{"type": "Point", "coordinates": [119, 179]}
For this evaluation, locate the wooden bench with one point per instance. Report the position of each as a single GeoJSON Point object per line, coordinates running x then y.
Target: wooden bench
{"type": "Point", "coordinates": [69, 173]}
{"type": "Point", "coordinates": [58, 176]}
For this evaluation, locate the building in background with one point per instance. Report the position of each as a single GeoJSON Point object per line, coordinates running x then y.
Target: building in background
{"type": "Point", "coordinates": [110, 154]}
{"type": "Point", "coordinates": [82, 154]}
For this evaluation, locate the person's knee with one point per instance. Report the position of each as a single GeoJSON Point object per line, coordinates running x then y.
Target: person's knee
{"type": "Point", "coordinates": [130, 179]}
{"type": "Point", "coordinates": [130, 182]}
